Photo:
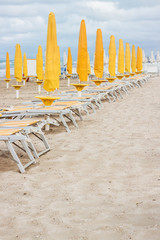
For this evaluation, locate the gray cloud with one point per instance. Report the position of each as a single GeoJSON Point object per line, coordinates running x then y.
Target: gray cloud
{"type": "Point", "coordinates": [25, 22]}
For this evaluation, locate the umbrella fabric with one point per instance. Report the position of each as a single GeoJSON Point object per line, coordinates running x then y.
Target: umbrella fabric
{"type": "Point", "coordinates": [133, 61]}
{"type": "Point", "coordinates": [99, 55]}
{"type": "Point", "coordinates": [69, 61]}
{"type": "Point", "coordinates": [59, 64]}
{"type": "Point", "coordinates": [82, 59]}
{"type": "Point", "coordinates": [52, 59]}
{"type": "Point", "coordinates": [25, 72]}
{"type": "Point", "coordinates": [127, 58]}
{"type": "Point", "coordinates": [39, 63]}
{"type": "Point", "coordinates": [112, 56]}
{"type": "Point", "coordinates": [139, 59]}
{"type": "Point", "coordinates": [18, 63]}
{"type": "Point", "coordinates": [89, 65]}
{"type": "Point", "coordinates": [121, 57]}
{"type": "Point", "coordinates": [7, 66]}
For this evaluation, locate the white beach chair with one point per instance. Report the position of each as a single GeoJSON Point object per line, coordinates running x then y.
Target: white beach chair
{"type": "Point", "coordinates": [11, 137]}
{"type": "Point", "coordinates": [28, 128]}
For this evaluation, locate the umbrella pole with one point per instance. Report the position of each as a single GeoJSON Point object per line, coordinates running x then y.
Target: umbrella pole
{"type": "Point", "coordinates": [17, 93]}
{"type": "Point", "coordinates": [47, 125]}
{"type": "Point", "coordinates": [79, 94]}
{"type": "Point", "coordinates": [7, 84]}
{"type": "Point", "coordinates": [39, 89]}
{"type": "Point", "coordinates": [24, 82]}
{"type": "Point", "coordinates": [68, 82]}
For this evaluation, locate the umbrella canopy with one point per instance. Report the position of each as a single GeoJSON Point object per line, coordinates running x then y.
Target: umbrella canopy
{"type": "Point", "coordinates": [133, 61]}
{"type": "Point", "coordinates": [99, 55]}
{"type": "Point", "coordinates": [89, 65]}
{"type": "Point", "coordinates": [39, 63]}
{"type": "Point", "coordinates": [82, 59]}
{"type": "Point", "coordinates": [52, 70]}
{"type": "Point", "coordinates": [8, 75]}
{"type": "Point", "coordinates": [25, 72]}
{"type": "Point", "coordinates": [69, 61]}
{"type": "Point", "coordinates": [18, 63]}
{"type": "Point", "coordinates": [127, 59]}
{"type": "Point", "coordinates": [112, 56]}
{"type": "Point", "coordinates": [121, 57]}
{"type": "Point", "coordinates": [59, 64]}
{"type": "Point", "coordinates": [139, 59]}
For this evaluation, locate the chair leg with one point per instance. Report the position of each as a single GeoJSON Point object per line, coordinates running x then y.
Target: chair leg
{"type": "Point", "coordinates": [92, 107]}
{"type": "Point", "coordinates": [73, 119]}
{"type": "Point", "coordinates": [15, 157]}
{"type": "Point", "coordinates": [26, 148]}
{"type": "Point", "coordinates": [64, 123]}
{"type": "Point", "coordinates": [120, 93]}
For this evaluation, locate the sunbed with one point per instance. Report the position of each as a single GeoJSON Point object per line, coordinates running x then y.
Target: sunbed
{"type": "Point", "coordinates": [29, 127]}
{"type": "Point", "coordinates": [23, 111]}
{"type": "Point", "coordinates": [11, 137]}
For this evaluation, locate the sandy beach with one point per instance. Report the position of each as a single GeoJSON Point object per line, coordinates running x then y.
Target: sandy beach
{"type": "Point", "coordinates": [100, 182]}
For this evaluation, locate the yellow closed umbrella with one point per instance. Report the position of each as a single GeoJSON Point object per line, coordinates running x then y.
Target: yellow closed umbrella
{"type": "Point", "coordinates": [121, 57]}
{"type": "Point", "coordinates": [133, 61]}
{"type": "Point", "coordinates": [139, 59]}
{"type": "Point", "coordinates": [89, 65]}
{"type": "Point", "coordinates": [18, 64]}
{"type": "Point", "coordinates": [59, 64]}
{"type": "Point", "coordinates": [8, 75]}
{"type": "Point", "coordinates": [82, 59]}
{"type": "Point", "coordinates": [39, 64]}
{"type": "Point", "coordinates": [69, 65]}
{"type": "Point", "coordinates": [25, 71]}
{"type": "Point", "coordinates": [112, 56]}
{"type": "Point", "coordinates": [127, 59]}
{"type": "Point", "coordinates": [52, 59]}
{"type": "Point", "coordinates": [99, 55]}
{"type": "Point", "coordinates": [69, 61]}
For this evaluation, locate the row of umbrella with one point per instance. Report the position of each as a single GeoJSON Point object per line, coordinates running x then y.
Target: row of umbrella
{"type": "Point", "coordinates": [52, 62]}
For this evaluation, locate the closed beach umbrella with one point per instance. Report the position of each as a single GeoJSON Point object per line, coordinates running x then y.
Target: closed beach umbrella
{"type": "Point", "coordinates": [99, 55]}
{"type": "Point", "coordinates": [25, 71]}
{"type": "Point", "coordinates": [121, 57]}
{"type": "Point", "coordinates": [8, 75]}
{"type": "Point", "coordinates": [127, 58]}
{"type": "Point", "coordinates": [39, 63]}
{"type": "Point", "coordinates": [133, 61]}
{"type": "Point", "coordinates": [69, 61]}
{"type": "Point", "coordinates": [82, 59]}
{"type": "Point", "coordinates": [112, 56]}
{"type": "Point", "coordinates": [52, 60]}
{"type": "Point", "coordinates": [59, 64]}
{"type": "Point", "coordinates": [89, 65]}
{"type": "Point", "coordinates": [139, 59]}
{"type": "Point", "coordinates": [18, 63]}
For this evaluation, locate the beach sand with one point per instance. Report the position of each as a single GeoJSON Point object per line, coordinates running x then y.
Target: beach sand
{"type": "Point", "coordinates": [100, 182]}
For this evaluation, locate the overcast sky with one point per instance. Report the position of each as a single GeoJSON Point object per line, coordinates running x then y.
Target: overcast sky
{"type": "Point", "coordinates": [25, 22]}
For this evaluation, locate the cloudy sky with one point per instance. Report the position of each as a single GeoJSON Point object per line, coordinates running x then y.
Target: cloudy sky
{"type": "Point", "coordinates": [25, 22]}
